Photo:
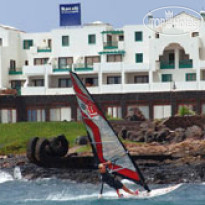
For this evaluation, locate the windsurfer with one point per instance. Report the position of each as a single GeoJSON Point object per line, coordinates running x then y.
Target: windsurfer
{"type": "Point", "coordinates": [109, 179]}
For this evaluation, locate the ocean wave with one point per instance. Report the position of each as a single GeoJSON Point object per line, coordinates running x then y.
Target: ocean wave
{"type": "Point", "coordinates": [5, 177]}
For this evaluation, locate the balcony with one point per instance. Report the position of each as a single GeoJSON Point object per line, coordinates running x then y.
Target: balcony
{"type": "Point", "coordinates": [15, 72]}
{"type": "Point", "coordinates": [44, 50]}
{"type": "Point", "coordinates": [81, 67]}
{"type": "Point", "coordinates": [167, 65]}
{"type": "Point", "coordinates": [62, 68]}
{"type": "Point", "coordinates": [185, 64]}
{"type": "Point", "coordinates": [110, 45]}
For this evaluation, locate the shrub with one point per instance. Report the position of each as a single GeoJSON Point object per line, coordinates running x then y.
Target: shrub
{"type": "Point", "coordinates": [184, 110]}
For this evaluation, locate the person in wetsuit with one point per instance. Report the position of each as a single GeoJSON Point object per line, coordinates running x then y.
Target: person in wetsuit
{"type": "Point", "coordinates": [109, 179]}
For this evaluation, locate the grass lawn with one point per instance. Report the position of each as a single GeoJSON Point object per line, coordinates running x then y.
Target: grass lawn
{"type": "Point", "coordinates": [14, 137]}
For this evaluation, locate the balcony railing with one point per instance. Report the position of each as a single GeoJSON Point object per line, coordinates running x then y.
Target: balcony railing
{"type": "Point", "coordinates": [167, 65]}
{"type": "Point", "coordinates": [61, 68]}
{"type": "Point", "coordinates": [110, 45]}
{"type": "Point", "coordinates": [15, 72]}
{"type": "Point", "coordinates": [44, 50]}
{"type": "Point", "coordinates": [83, 67]}
{"type": "Point", "coordinates": [185, 64]}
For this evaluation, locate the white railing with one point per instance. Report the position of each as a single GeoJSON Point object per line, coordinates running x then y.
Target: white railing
{"type": "Point", "coordinates": [112, 67]}
{"type": "Point", "coordinates": [33, 91]}
{"type": "Point", "coordinates": [119, 88]}
{"type": "Point", "coordinates": [37, 69]}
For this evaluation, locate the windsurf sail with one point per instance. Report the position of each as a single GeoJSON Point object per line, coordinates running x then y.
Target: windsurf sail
{"type": "Point", "coordinates": [105, 142]}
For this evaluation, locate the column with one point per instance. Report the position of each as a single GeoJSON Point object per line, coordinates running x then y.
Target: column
{"type": "Point", "coordinates": [176, 56]}
{"type": "Point", "coordinates": [150, 79]}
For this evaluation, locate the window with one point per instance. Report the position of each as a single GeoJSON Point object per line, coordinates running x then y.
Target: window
{"type": "Point", "coordinates": [190, 76]}
{"type": "Point", "coordinates": [134, 110]}
{"type": "Point", "coordinates": [27, 44]}
{"type": "Point", "coordinates": [114, 111]}
{"type": "Point", "coordinates": [26, 62]}
{"type": "Point", "coordinates": [114, 80]}
{"type": "Point", "coordinates": [91, 82]}
{"type": "Point", "coordinates": [138, 36]}
{"type": "Point", "coordinates": [36, 115]}
{"type": "Point", "coordinates": [156, 35]}
{"type": "Point", "coordinates": [38, 82]}
{"type": "Point", "coordinates": [1, 42]}
{"type": "Point", "coordinates": [162, 111]}
{"type": "Point", "coordinates": [139, 58]}
{"type": "Point", "coordinates": [64, 83]}
{"type": "Point", "coordinates": [166, 77]}
{"type": "Point", "coordinates": [92, 39]}
{"type": "Point", "coordinates": [195, 34]}
{"type": "Point", "coordinates": [121, 37]}
{"type": "Point", "coordinates": [49, 43]}
{"type": "Point", "coordinates": [141, 79]}
{"type": "Point", "coordinates": [60, 114]}
{"type": "Point", "coordinates": [40, 61]}
{"type": "Point", "coordinates": [8, 116]}
{"type": "Point", "coordinates": [114, 58]}
{"type": "Point", "coordinates": [12, 65]}
{"type": "Point", "coordinates": [65, 62]}
{"type": "Point", "coordinates": [65, 40]}
{"type": "Point", "coordinates": [91, 60]}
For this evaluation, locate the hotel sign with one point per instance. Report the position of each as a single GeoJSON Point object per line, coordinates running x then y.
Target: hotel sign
{"type": "Point", "coordinates": [70, 14]}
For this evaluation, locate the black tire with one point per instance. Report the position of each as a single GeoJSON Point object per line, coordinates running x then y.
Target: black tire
{"type": "Point", "coordinates": [59, 146]}
{"type": "Point", "coordinates": [41, 154]}
{"type": "Point", "coordinates": [31, 147]}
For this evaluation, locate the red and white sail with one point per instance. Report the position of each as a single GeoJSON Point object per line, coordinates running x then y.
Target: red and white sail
{"type": "Point", "coordinates": [106, 144]}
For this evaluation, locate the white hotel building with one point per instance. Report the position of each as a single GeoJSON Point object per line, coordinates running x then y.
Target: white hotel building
{"type": "Point", "coordinates": [130, 60]}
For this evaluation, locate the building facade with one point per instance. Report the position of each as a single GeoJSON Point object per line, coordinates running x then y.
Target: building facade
{"type": "Point", "coordinates": [123, 64]}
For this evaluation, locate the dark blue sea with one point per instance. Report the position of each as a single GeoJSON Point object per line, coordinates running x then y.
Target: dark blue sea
{"type": "Point", "coordinates": [63, 192]}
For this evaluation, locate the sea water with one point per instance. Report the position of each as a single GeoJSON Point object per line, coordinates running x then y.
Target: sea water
{"type": "Point", "coordinates": [65, 192]}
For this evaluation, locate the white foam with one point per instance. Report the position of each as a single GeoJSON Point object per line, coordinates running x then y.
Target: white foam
{"type": "Point", "coordinates": [65, 197]}
{"type": "Point", "coordinates": [126, 181]}
{"type": "Point", "coordinates": [4, 177]}
{"type": "Point", "coordinates": [17, 173]}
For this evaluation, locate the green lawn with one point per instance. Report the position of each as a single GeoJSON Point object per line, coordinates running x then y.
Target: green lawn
{"type": "Point", "coordinates": [14, 137]}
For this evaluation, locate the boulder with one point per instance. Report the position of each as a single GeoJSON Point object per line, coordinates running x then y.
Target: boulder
{"type": "Point", "coordinates": [179, 135]}
{"type": "Point", "coordinates": [82, 140]}
{"type": "Point", "coordinates": [194, 132]}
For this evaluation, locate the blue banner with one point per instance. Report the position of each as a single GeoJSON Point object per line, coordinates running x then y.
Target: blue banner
{"type": "Point", "coordinates": [70, 14]}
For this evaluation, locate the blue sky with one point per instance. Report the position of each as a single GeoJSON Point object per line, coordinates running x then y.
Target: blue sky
{"type": "Point", "coordinates": [43, 15]}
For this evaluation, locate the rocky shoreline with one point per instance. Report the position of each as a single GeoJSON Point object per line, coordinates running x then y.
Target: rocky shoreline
{"type": "Point", "coordinates": [164, 152]}
{"type": "Point", "coordinates": [155, 172]}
